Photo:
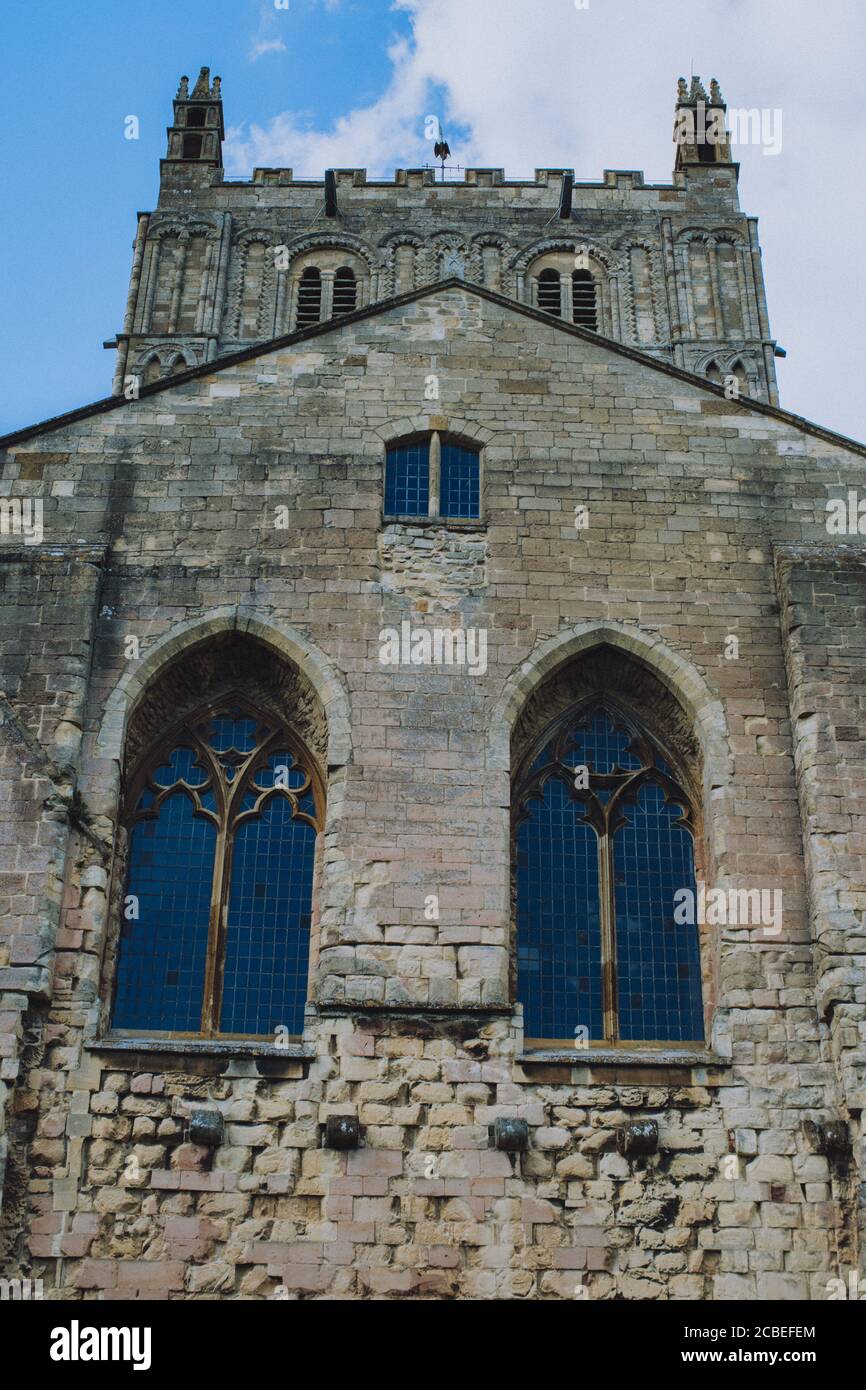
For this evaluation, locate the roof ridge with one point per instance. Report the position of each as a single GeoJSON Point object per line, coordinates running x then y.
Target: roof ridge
{"type": "Point", "coordinates": [380, 306]}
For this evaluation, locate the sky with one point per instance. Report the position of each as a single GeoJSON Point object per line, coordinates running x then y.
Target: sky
{"type": "Point", "coordinates": [515, 83]}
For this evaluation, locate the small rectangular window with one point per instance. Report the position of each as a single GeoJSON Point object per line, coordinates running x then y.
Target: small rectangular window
{"type": "Point", "coordinates": [407, 481]}
{"type": "Point", "coordinates": [459, 490]}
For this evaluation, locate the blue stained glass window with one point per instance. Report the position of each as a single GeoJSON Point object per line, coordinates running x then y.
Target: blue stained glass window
{"type": "Point", "coordinates": [558, 918]}
{"type": "Point", "coordinates": [279, 771]}
{"type": "Point", "coordinates": [601, 746]}
{"type": "Point", "coordinates": [407, 481]}
{"type": "Point", "coordinates": [268, 929]}
{"type": "Point", "coordinates": [658, 961]}
{"type": "Point", "coordinates": [160, 975]}
{"type": "Point", "coordinates": [239, 733]}
{"type": "Point", "coordinates": [253, 920]}
{"type": "Point", "coordinates": [562, 891]}
{"type": "Point", "coordinates": [181, 767]}
{"type": "Point", "coordinates": [459, 483]}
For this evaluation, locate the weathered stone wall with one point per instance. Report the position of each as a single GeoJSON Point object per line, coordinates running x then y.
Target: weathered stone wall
{"type": "Point", "coordinates": [823, 600]}
{"type": "Point", "coordinates": [47, 601]}
{"type": "Point", "coordinates": [412, 1025]}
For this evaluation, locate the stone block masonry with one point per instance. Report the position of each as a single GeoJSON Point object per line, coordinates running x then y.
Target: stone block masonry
{"type": "Point", "coordinates": [705, 521]}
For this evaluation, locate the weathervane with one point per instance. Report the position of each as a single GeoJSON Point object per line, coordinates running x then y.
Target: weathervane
{"type": "Point", "coordinates": [442, 151]}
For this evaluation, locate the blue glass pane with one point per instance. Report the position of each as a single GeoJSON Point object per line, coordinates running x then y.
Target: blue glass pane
{"type": "Point", "coordinates": [146, 799]}
{"type": "Point", "coordinates": [279, 771]}
{"type": "Point", "coordinates": [181, 766]}
{"type": "Point", "coordinates": [558, 919]}
{"type": "Point", "coordinates": [658, 961]}
{"type": "Point", "coordinates": [268, 933]}
{"type": "Point", "coordinates": [306, 803]}
{"type": "Point", "coordinates": [601, 747]}
{"type": "Point", "coordinates": [544, 757]}
{"type": "Point", "coordinates": [407, 481]}
{"type": "Point", "coordinates": [160, 973]}
{"type": "Point", "coordinates": [239, 733]}
{"type": "Point", "coordinates": [460, 484]}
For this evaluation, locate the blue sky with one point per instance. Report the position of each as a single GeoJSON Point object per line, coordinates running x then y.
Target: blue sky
{"type": "Point", "coordinates": [518, 83]}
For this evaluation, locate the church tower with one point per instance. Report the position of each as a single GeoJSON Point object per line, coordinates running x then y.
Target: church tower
{"type": "Point", "coordinates": [673, 270]}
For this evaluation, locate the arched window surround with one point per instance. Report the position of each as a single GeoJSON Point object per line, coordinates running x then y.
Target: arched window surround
{"type": "Point", "coordinates": [606, 814]}
{"type": "Point", "coordinates": [229, 778]}
{"type": "Point", "coordinates": [334, 263]}
{"type": "Point", "coordinates": [563, 258]}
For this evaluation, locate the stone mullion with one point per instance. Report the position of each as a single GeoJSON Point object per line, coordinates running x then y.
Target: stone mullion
{"type": "Point", "coordinates": [434, 474]}
{"type": "Point", "coordinates": [326, 304]}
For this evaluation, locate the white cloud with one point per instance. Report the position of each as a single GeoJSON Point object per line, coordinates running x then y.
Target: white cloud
{"type": "Point", "coordinates": [261, 46]}
{"type": "Point", "coordinates": [266, 38]}
{"type": "Point", "coordinates": [540, 82]}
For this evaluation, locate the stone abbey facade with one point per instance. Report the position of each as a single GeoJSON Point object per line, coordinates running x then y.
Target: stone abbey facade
{"type": "Point", "coordinates": [441, 595]}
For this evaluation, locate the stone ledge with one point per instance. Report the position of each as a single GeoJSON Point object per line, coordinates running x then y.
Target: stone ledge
{"type": "Point", "coordinates": [623, 1057]}
{"type": "Point", "coordinates": [341, 1007]}
{"type": "Point", "coordinates": [203, 1047]}
{"type": "Point", "coordinates": [431, 523]}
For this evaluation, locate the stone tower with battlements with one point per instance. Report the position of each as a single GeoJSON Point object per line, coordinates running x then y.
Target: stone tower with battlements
{"type": "Point", "coordinates": [672, 269]}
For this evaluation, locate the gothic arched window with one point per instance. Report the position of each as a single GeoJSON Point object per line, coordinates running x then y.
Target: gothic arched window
{"type": "Point", "coordinates": [433, 476]}
{"type": "Point", "coordinates": [603, 844]}
{"type": "Point", "coordinates": [222, 815]}
{"type": "Point", "coordinates": [309, 297]}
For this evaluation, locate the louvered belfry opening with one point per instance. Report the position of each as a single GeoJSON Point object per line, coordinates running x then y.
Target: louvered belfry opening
{"type": "Point", "coordinates": [584, 300]}
{"type": "Point", "coordinates": [345, 291]}
{"type": "Point", "coordinates": [549, 296]}
{"type": "Point", "coordinates": [309, 296]}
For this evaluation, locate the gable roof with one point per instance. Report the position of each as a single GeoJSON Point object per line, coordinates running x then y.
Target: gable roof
{"type": "Point", "coordinates": [383, 306]}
